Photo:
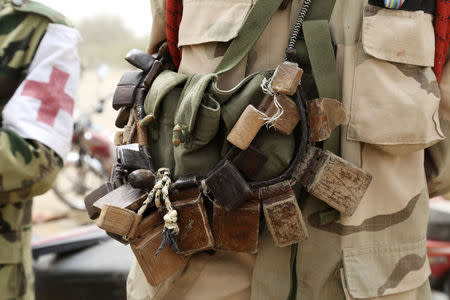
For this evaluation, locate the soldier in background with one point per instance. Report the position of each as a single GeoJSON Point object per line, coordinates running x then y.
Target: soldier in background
{"type": "Point", "coordinates": [39, 70]}
{"type": "Point", "coordinates": [384, 55]}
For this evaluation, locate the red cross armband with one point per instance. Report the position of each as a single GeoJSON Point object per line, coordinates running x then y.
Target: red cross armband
{"type": "Point", "coordinates": [42, 106]}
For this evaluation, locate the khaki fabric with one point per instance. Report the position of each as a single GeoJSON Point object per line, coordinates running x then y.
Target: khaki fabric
{"type": "Point", "coordinates": [419, 293]}
{"type": "Point", "coordinates": [379, 252]}
{"type": "Point", "coordinates": [404, 97]}
{"type": "Point", "coordinates": [411, 41]}
{"type": "Point", "coordinates": [221, 275]}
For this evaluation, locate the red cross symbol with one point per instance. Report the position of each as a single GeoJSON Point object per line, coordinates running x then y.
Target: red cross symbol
{"type": "Point", "coordinates": [52, 96]}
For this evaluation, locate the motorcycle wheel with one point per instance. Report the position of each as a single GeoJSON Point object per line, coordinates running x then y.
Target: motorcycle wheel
{"type": "Point", "coordinates": [78, 178]}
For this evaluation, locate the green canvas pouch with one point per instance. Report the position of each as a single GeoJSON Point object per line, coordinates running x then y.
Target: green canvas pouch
{"type": "Point", "coordinates": [204, 115]}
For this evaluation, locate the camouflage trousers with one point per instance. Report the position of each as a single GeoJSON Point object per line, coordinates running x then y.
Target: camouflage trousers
{"type": "Point", "coordinates": [16, 273]}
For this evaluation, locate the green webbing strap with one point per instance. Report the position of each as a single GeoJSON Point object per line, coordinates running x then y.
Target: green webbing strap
{"type": "Point", "coordinates": [253, 27]}
{"type": "Point", "coordinates": [317, 49]}
{"type": "Point", "coordinates": [321, 57]}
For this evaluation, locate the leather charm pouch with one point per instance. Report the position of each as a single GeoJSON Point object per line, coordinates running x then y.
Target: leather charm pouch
{"type": "Point", "coordinates": [288, 120]}
{"type": "Point", "coordinates": [132, 160]}
{"type": "Point", "coordinates": [228, 186]}
{"type": "Point", "coordinates": [195, 233]}
{"type": "Point", "coordinates": [333, 180]}
{"type": "Point", "coordinates": [249, 162]}
{"type": "Point", "coordinates": [124, 196]}
{"type": "Point", "coordinates": [125, 93]}
{"type": "Point", "coordinates": [237, 230]}
{"type": "Point", "coordinates": [95, 195]}
{"type": "Point", "coordinates": [148, 239]}
{"type": "Point", "coordinates": [286, 78]}
{"type": "Point", "coordinates": [120, 221]}
{"type": "Point", "coordinates": [246, 127]}
{"type": "Point", "coordinates": [282, 213]}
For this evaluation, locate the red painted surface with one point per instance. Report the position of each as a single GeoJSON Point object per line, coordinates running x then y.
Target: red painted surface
{"type": "Point", "coordinates": [439, 257]}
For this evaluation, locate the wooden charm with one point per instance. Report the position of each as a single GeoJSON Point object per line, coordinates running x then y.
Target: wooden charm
{"type": "Point", "coordinates": [282, 213]}
{"type": "Point", "coordinates": [246, 127]}
{"type": "Point", "coordinates": [141, 179]}
{"type": "Point", "coordinates": [237, 230]}
{"type": "Point", "coordinates": [287, 122]}
{"type": "Point", "coordinates": [93, 196]}
{"type": "Point", "coordinates": [195, 233]}
{"type": "Point", "coordinates": [332, 179]}
{"type": "Point", "coordinates": [323, 116]}
{"type": "Point", "coordinates": [228, 187]}
{"type": "Point", "coordinates": [286, 78]}
{"type": "Point", "coordinates": [120, 221]}
{"type": "Point", "coordinates": [122, 117]}
{"type": "Point", "coordinates": [132, 160]}
{"type": "Point", "coordinates": [124, 196]}
{"type": "Point", "coordinates": [124, 94]}
{"type": "Point", "coordinates": [156, 268]}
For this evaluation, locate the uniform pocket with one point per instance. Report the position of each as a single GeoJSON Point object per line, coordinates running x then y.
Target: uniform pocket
{"type": "Point", "coordinates": [395, 96]}
{"type": "Point", "coordinates": [206, 28]}
{"type": "Point", "coordinates": [376, 271]}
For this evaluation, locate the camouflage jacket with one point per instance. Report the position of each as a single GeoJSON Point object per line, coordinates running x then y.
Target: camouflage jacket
{"type": "Point", "coordinates": [27, 167]}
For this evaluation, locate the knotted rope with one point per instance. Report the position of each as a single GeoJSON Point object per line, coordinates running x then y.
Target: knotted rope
{"type": "Point", "coordinates": [266, 86]}
{"type": "Point", "coordinates": [171, 229]}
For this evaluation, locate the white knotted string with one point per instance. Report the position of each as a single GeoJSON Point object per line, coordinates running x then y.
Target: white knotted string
{"type": "Point", "coordinates": [266, 86]}
{"type": "Point", "coordinates": [162, 188]}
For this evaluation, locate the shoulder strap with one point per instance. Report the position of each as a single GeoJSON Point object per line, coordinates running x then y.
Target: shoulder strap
{"type": "Point", "coordinates": [253, 27]}
{"type": "Point", "coordinates": [28, 6]}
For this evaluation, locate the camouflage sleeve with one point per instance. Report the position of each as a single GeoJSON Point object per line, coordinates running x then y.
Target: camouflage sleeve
{"type": "Point", "coordinates": [27, 168]}
{"type": "Point", "coordinates": [437, 157]}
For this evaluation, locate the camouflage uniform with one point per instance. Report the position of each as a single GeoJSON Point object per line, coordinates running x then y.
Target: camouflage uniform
{"type": "Point", "coordinates": [27, 167]}
{"type": "Point", "coordinates": [391, 98]}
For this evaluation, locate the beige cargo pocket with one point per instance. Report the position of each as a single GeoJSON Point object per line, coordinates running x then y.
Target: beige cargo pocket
{"type": "Point", "coordinates": [205, 30]}
{"type": "Point", "coordinates": [395, 96]}
{"type": "Point", "coordinates": [380, 271]}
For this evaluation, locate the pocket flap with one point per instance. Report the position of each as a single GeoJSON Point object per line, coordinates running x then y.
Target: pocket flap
{"type": "Point", "coordinates": [385, 270]}
{"type": "Point", "coordinates": [398, 36]}
{"type": "Point", "coordinates": [211, 20]}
